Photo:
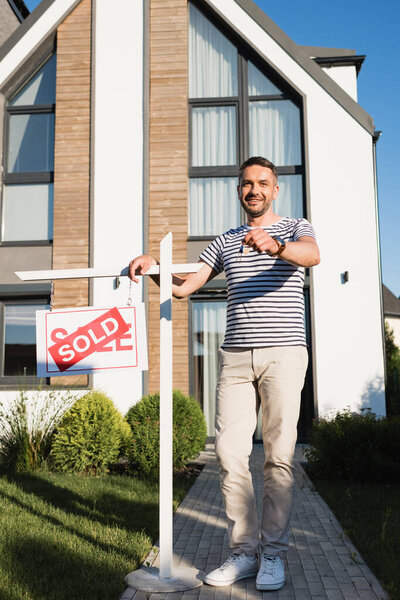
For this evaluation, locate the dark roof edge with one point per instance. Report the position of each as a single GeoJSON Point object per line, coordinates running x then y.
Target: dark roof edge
{"type": "Point", "coordinates": [301, 57]}
{"type": "Point", "coordinates": [341, 61]}
{"type": "Point", "coordinates": [20, 9]}
{"type": "Point", "coordinates": [322, 51]}
{"type": "Point", "coordinates": [24, 27]}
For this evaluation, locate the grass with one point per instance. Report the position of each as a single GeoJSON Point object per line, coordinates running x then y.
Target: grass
{"type": "Point", "coordinates": [69, 537]}
{"type": "Point", "coordinates": [370, 515]}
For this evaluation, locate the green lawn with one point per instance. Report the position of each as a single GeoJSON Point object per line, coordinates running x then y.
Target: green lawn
{"type": "Point", "coordinates": [70, 537]}
{"type": "Point", "coordinates": [370, 515]}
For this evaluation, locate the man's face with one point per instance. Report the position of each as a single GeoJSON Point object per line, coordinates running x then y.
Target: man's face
{"type": "Point", "coordinates": [257, 190]}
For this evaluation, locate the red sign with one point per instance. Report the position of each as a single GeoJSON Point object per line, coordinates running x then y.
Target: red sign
{"type": "Point", "coordinates": [78, 341]}
{"type": "Point", "coordinates": [87, 339]}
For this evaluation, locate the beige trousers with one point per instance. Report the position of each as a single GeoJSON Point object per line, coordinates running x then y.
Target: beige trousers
{"type": "Point", "coordinates": [273, 379]}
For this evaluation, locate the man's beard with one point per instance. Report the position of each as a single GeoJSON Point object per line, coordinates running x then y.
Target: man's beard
{"type": "Point", "coordinates": [254, 212]}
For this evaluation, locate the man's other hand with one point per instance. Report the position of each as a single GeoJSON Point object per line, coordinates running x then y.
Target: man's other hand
{"type": "Point", "coordinates": [261, 241]}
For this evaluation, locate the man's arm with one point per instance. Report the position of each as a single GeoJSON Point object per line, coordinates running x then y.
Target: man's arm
{"type": "Point", "coordinates": [181, 286]}
{"type": "Point", "coordinates": [304, 252]}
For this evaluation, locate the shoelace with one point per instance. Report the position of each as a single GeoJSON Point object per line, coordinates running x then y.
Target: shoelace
{"type": "Point", "coordinates": [229, 561]}
{"type": "Point", "coordinates": [268, 563]}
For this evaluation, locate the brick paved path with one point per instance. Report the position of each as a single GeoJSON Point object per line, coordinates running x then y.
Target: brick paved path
{"type": "Point", "coordinates": [321, 563]}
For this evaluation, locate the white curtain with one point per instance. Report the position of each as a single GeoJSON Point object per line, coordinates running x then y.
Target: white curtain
{"type": "Point", "coordinates": [275, 131]}
{"type": "Point", "coordinates": [212, 59]}
{"type": "Point", "coordinates": [290, 199]}
{"type": "Point", "coordinates": [213, 136]}
{"type": "Point", "coordinates": [213, 205]}
{"type": "Point", "coordinates": [259, 85]}
{"type": "Point", "coordinates": [208, 333]}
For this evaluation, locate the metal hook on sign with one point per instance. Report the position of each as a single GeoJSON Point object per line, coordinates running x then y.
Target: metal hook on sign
{"type": "Point", "coordinates": [129, 302]}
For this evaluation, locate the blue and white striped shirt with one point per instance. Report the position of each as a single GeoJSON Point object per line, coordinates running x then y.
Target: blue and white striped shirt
{"type": "Point", "coordinates": [265, 293]}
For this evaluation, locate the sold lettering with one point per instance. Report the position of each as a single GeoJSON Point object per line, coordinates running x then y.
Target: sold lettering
{"type": "Point", "coordinates": [90, 338]}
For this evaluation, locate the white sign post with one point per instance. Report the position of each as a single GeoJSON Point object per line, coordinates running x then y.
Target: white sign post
{"type": "Point", "coordinates": [167, 578]}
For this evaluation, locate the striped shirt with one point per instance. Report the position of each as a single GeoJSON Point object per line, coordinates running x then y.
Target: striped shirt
{"type": "Point", "coordinates": [265, 293]}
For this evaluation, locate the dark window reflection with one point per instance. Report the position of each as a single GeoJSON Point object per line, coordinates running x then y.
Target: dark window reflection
{"type": "Point", "coordinates": [20, 338]}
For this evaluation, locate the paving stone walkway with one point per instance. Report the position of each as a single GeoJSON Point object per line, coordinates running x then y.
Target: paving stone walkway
{"type": "Point", "coordinates": [321, 562]}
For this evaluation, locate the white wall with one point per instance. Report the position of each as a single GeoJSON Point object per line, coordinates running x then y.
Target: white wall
{"type": "Point", "coordinates": [118, 164]}
{"type": "Point", "coordinates": [348, 341]}
{"type": "Point", "coordinates": [346, 77]}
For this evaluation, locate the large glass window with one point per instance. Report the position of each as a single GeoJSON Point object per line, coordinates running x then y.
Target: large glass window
{"type": "Point", "coordinates": [208, 330]}
{"type": "Point", "coordinates": [27, 198]}
{"type": "Point", "coordinates": [18, 352]}
{"type": "Point", "coordinates": [238, 108]}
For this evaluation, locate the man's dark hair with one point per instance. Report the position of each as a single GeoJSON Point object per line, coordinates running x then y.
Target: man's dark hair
{"type": "Point", "coordinates": [258, 160]}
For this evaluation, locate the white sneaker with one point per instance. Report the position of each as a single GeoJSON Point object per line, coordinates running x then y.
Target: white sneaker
{"type": "Point", "coordinates": [271, 575]}
{"type": "Point", "coordinates": [237, 566]}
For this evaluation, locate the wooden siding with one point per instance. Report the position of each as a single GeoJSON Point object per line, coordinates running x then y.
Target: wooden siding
{"type": "Point", "coordinates": [72, 159]}
{"type": "Point", "coordinates": [168, 170]}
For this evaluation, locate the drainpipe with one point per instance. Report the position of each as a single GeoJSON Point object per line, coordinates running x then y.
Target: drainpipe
{"type": "Point", "coordinates": [375, 138]}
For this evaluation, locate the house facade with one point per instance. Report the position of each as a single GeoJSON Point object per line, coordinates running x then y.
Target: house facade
{"type": "Point", "coordinates": [124, 122]}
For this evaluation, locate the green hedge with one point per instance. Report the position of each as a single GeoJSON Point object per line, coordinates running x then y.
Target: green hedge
{"type": "Point", "coordinates": [189, 432]}
{"type": "Point", "coordinates": [90, 436]}
{"type": "Point", "coordinates": [357, 447]}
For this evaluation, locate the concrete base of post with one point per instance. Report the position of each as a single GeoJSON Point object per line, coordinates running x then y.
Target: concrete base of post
{"type": "Point", "coordinates": [147, 579]}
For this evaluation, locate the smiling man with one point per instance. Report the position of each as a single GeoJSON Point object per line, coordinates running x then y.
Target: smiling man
{"type": "Point", "coordinates": [262, 363]}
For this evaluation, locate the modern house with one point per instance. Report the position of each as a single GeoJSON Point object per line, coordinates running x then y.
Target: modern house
{"type": "Point", "coordinates": [124, 121]}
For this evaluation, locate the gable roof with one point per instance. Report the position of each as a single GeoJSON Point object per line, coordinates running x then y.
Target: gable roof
{"type": "Point", "coordinates": [49, 13]}
{"type": "Point", "coordinates": [31, 33]}
{"type": "Point", "coordinates": [20, 9]}
{"type": "Point", "coordinates": [300, 55]}
{"type": "Point", "coordinates": [391, 304]}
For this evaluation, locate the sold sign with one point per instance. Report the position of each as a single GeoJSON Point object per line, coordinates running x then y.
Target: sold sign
{"type": "Point", "coordinates": [88, 340]}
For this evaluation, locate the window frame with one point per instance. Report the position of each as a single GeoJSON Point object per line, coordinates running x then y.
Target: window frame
{"type": "Point", "coordinates": [18, 381]}
{"type": "Point", "coordinates": [244, 54]}
{"type": "Point", "coordinates": [24, 177]}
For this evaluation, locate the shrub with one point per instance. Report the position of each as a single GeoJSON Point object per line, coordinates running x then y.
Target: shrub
{"type": "Point", "coordinates": [90, 436]}
{"type": "Point", "coordinates": [358, 447]}
{"type": "Point", "coordinates": [189, 432]}
{"type": "Point", "coordinates": [27, 425]}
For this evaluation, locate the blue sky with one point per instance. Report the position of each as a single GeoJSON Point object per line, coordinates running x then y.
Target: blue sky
{"type": "Point", "coordinates": [373, 29]}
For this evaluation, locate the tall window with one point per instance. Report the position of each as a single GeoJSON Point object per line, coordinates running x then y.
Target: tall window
{"type": "Point", "coordinates": [237, 109]}
{"type": "Point", "coordinates": [208, 329]}
{"type": "Point", "coordinates": [27, 198]}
